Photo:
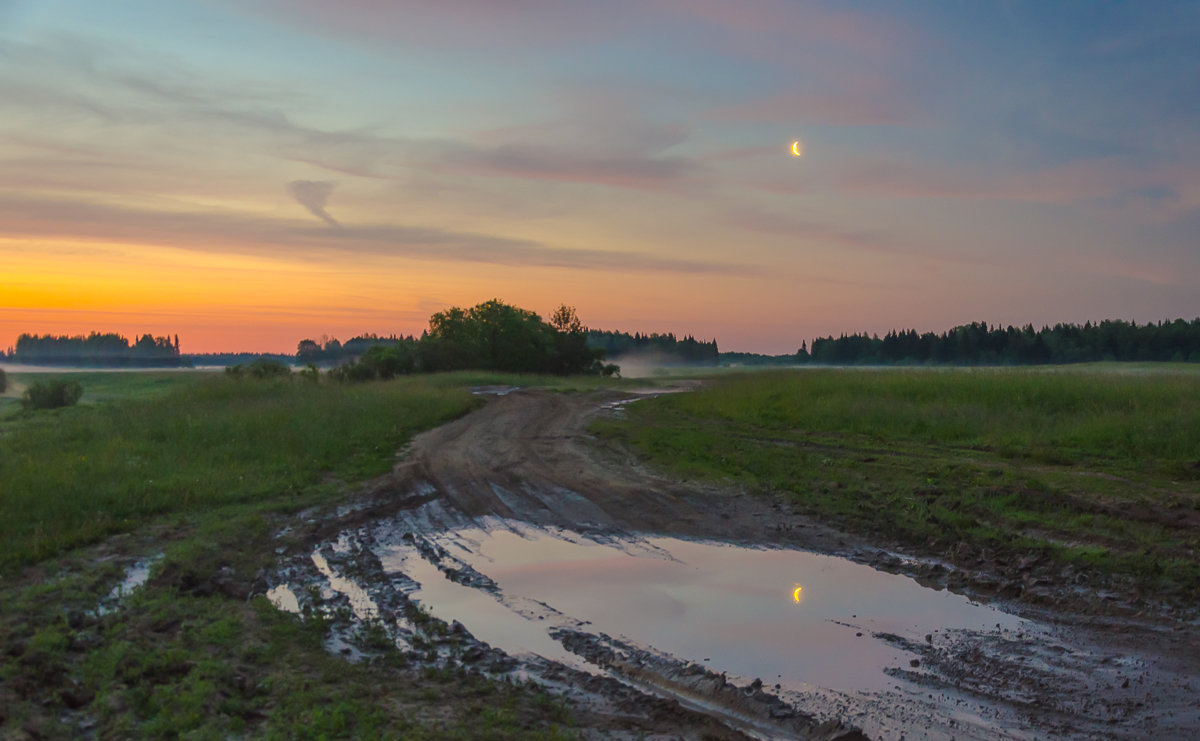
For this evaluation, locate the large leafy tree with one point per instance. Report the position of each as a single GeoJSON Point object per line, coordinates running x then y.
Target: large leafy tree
{"type": "Point", "coordinates": [494, 336]}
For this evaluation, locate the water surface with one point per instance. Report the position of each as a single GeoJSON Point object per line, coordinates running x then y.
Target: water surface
{"type": "Point", "coordinates": [731, 608]}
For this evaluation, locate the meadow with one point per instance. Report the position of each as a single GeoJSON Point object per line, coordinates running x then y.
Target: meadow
{"type": "Point", "coordinates": [1094, 467]}
{"type": "Point", "coordinates": [1090, 468]}
{"type": "Point", "coordinates": [184, 444]}
{"type": "Point", "coordinates": [199, 472]}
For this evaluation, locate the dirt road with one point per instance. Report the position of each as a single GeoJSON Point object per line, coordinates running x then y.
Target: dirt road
{"type": "Point", "coordinates": [527, 456]}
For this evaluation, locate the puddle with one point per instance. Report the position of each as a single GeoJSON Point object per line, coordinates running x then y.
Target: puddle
{"type": "Point", "coordinates": [360, 602]}
{"type": "Point", "coordinates": [284, 598]}
{"type": "Point", "coordinates": [700, 621]}
{"type": "Point", "coordinates": [135, 576]}
{"type": "Point", "coordinates": [790, 617]}
{"type": "Point", "coordinates": [485, 617]}
{"type": "Point", "coordinates": [494, 390]}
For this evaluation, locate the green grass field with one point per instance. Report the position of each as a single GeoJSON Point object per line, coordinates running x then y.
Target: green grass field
{"type": "Point", "coordinates": [1098, 467]}
{"type": "Point", "coordinates": [200, 469]}
{"type": "Point", "coordinates": [184, 444]}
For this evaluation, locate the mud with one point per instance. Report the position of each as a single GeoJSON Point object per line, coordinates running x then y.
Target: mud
{"type": "Point", "coordinates": [1093, 663]}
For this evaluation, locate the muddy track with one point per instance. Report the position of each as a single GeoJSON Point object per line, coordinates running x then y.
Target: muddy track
{"type": "Point", "coordinates": [527, 456]}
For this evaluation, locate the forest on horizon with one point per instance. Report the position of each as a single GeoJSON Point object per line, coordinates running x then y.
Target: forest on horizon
{"type": "Point", "coordinates": [977, 343]}
{"type": "Point", "coordinates": [1176, 340]}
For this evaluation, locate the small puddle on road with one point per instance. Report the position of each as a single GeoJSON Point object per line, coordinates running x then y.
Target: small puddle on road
{"type": "Point", "coordinates": [135, 576]}
{"type": "Point", "coordinates": [730, 608]}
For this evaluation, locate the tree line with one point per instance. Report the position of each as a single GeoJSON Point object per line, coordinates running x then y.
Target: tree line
{"type": "Point", "coordinates": [666, 347]}
{"type": "Point", "coordinates": [979, 344]}
{"type": "Point", "coordinates": [97, 350]}
{"type": "Point", "coordinates": [331, 351]}
{"type": "Point", "coordinates": [489, 336]}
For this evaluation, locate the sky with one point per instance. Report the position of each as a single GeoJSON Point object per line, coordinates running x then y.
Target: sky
{"type": "Point", "coordinates": [250, 173]}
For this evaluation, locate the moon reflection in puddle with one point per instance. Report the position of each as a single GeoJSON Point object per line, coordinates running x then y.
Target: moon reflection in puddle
{"type": "Point", "coordinates": [735, 609]}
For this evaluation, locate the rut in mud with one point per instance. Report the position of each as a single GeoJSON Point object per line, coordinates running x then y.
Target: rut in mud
{"type": "Point", "coordinates": [526, 456]}
{"type": "Point", "coordinates": [525, 459]}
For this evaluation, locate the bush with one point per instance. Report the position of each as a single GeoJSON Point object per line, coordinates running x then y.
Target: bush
{"type": "Point", "coordinates": [260, 369]}
{"type": "Point", "coordinates": [52, 394]}
{"type": "Point", "coordinates": [310, 372]}
{"type": "Point", "coordinates": [353, 373]}
{"type": "Point", "coordinates": [3, 381]}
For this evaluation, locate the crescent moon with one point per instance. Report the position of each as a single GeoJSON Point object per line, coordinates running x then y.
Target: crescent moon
{"type": "Point", "coordinates": [796, 150]}
{"type": "Point", "coordinates": [796, 594]}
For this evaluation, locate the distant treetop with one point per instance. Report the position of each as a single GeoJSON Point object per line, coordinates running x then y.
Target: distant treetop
{"type": "Point", "coordinates": [979, 344]}
{"type": "Point", "coordinates": [492, 335]}
{"type": "Point", "coordinates": [97, 350]}
{"type": "Point", "coordinates": [666, 347]}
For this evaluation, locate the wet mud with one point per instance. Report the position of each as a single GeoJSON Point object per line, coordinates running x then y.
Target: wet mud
{"type": "Point", "coordinates": [411, 568]}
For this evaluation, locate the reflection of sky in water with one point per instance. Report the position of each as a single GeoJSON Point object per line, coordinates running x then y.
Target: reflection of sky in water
{"type": "Point", "coordinates": [731, 605]}
{"type": "Point", "coordinates": [487, 619]}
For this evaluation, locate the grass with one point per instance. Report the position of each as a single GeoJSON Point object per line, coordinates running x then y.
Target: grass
{"type": "Point", "coordinates": [76, 475]}
{"type": "Point", "coordinates": [200, 468]}
{"type": "Point", "coordinates": [1091, 468]}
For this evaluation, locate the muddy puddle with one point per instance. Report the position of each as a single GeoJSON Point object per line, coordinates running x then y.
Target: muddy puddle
{"type": "Point", "coordinates": [790, 617]}
{"type": "Point", "coordinates": [773, 642]}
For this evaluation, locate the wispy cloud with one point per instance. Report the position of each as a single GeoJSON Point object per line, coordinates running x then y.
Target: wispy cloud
{"type": "Point", "coordinates": [807, 231]}
{"type": "Point", "coordinates": [313, 195]}
{"type": "Point", "coordinates": [764, 222]}
{"type": "Point", "coordinates": [466, 24]}
{"type": "Point", "coordinates": [870, 34]}
{"type": "Point", "coordinates": [1175, 187]}
{"type": "Point", "coordinates": [254, 235]}
{"type": "Point", "coordinates": [559, 165]}
{"type": "Point", "coordinates": [595, 135]}
{"type": "Point", "coordinates": [868, 103]}
{"type": "Point", "coordinates": [599, 138]}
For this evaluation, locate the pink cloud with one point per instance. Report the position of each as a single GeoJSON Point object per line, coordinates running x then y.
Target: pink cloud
{"type": "Point", "coordinates": [565, 166]}
{"type": "Point", "coordinates": [1141, 269]}
{"type": "Point", "coordinates": [865, 104]}
{"type": "Point", "coordinates": [598, 135]}
{"type": "Point", "coordinates": [1087, 180]}
{"type": "Point", "coordinates": [779, 29]}
{"type": "Point", "coordinates": [448, 23]}
{"type": "Point", "coordinates": [864, 35]}
{"type": "Point", "coordinates": [775, 224]}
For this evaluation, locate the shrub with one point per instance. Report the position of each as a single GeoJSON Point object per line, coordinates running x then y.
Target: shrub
{"type": "Point", "coordinates": [387, 362]}
{"type": "Point", "coordinates": [310, 372]}
{"type": "Point", "coordinates": [52, 394]}
{"type": "Point", "coordinates": [353, 373]}
{"type": "Point", "coordinates": [3, 381]}
{"type": "Point", "coordinates": [260, 369]}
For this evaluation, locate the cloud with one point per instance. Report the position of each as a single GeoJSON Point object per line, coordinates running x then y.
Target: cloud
{"type": "Point", "coordinates": [558, 165]}
{"type": "Point", "coordinates": [802, 36]}
{"type": "Point", "coordinates": [594, 135]}
{"type": "Point", "coordinates": [1169, 190]}
{"type": "Point", "coordinates": [25, 216]}
{"type": "Point", "coordinates": [313, 195]}
{"type": "Point", "coordinates": [862, 104]}
{"type": "Point", "coordinates": [462, 24]}
{"type": "Point", "coordinates": [762, 222]}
